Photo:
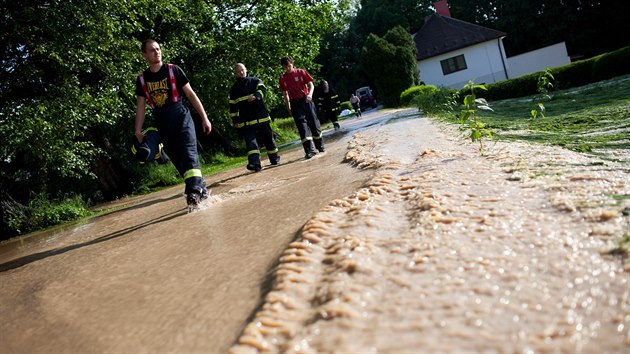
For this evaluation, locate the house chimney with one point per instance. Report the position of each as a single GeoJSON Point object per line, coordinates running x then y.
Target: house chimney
{"type": "Point", "coordinates": [441, 7]}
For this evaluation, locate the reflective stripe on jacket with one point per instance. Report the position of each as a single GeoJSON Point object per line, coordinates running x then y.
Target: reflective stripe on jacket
{"type": "Point", "coordinates": [242, 111]}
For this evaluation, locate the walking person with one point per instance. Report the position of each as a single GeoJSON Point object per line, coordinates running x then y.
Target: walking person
{"type": "Point", "coordinates": [328, 104]}
{"type": "Point", "coordinates": [356, 105]}
{"type": "Point", "coordinates": [160, 86]}
{"type": "Point", "coordinates": [297, 91]}
{"type": "Point", "coordinates": [250, 117]}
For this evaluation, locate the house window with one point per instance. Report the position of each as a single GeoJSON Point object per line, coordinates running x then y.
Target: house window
{"type": "Point", "coordinates": [453, 64]}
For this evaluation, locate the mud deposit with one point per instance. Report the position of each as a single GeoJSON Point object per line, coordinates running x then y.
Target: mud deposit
{"type": "Point", "coordinates": [446, 250]}
{"type": "Point", "coordinates": [401, 238]}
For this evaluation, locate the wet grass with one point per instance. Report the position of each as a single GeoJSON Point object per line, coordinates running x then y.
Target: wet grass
{"type": "Point", "coordinates": [593, 118]}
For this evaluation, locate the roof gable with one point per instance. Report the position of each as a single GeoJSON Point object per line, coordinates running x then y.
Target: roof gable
{"type": "Point", "coordinates": [442, 34]}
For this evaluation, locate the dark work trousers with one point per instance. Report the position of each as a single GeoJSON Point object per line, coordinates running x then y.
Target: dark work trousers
{"type": "Point", "coordinates": [177, 130]}
{"type": "Point", "coordinates": [357, 109]}
{"type": "Point", "coordinates": [251, 134]}
{"type": "Point", "coordinates": [307, 124]}
{"type": "Point", "coordinates": [329, 115]}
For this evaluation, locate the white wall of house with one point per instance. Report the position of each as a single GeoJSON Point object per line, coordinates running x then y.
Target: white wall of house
{"type": "Point", "coordinates": [538, 60]}
{"type": "Point", "coordinates": [485, 63]}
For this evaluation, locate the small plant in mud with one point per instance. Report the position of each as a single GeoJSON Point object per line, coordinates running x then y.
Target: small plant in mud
{"type": "Point", "coordinates": [468, 117]}
{"type": "Point", "coordinates": [545, 82]}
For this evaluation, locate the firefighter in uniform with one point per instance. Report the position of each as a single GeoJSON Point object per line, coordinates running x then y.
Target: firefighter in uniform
{"type": "Point", "coordinates": [251, 118]}
{"type": "Point", "coordinates": [159, 87]}
{"type": "Point", "coordinates": [327, 104]}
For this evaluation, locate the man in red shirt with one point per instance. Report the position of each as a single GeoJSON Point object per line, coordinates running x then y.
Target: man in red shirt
{"type": "Point", "coordinates": [297, 91]}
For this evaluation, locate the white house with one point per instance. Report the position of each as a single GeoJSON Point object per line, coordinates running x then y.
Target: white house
{"type": "Point", "coordinates": [452, 52]}
{"type": "Point", "coordinates": [539, 59]}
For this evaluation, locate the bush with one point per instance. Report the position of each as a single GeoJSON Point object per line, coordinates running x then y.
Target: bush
{"type": "Point", "coordinates": [434, 100]}
{"type": "Point", "coordinates": [391, 64]}
{"type": "Point", "coordinates": [345, 105]}
{"type": "Point", "coordinates": [521, 86]}
{"type": "Point", "coordinates": [407, 96]}
{"type": "Point", "coordinates": [612, 64]}
{"type": "Point", "coordinates": [576, 74]}
{"type": "Point", "coordinates": [43, 212]}
{"type": "Point", "coordinates": [154, 176]}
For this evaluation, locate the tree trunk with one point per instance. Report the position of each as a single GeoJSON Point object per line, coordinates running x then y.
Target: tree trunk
{"type": "Point", "coordinates": [109, 168]}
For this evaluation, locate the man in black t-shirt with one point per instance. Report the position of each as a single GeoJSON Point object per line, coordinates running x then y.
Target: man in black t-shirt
{"type": "Point", "coordinates": [160, 87]}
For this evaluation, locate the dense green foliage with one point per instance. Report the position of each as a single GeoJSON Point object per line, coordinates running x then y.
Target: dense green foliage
{"type": "Point", "coordinates": [582, 72]}
{"type": "Point", "coordinates": [341, 53]}
{"type": "Point", "coordinates": [407, 96]}
{"type": "Point", "coordinates": [68, 68]}
{"type": "Point", "coordinates": [434, 100]}
{"type": "Point", "coordinates": [345, 105]}
{"type": "Point", "coordinates": [67, 97]}
{"type": "Point", "coordinates": [588, 27]}
{"type": "Point", "coordinates": [392, 62]}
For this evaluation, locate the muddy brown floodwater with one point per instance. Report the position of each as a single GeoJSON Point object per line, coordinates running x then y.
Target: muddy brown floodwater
{"type": "Point", "coordinates": [401, 238]}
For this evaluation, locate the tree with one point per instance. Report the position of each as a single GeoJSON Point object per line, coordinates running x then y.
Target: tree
{"type": "Point", "coordinates": [67, 84]}
{"type": "Point", "coordinates": [340, 57]}
{"type": "Point", "coordinates": [588, 27]}
{"type": "Point", "coordinates": [338, 50]}
{"type": "Point", "coordinates": [391, 60]}
{"type": "Point", "coordinates": [378, 17]}
{"type": "Point", "coordinates": [58, 81]}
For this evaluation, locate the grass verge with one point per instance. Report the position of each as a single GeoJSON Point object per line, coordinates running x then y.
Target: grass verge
{"type": "Point", "coordinates": [594, 118]}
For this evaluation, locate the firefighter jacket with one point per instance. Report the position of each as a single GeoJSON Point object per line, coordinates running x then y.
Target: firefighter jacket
{"type": "Point", "coordinates": [328, 101]}
{"type": "Point", "coordinates": [150, 149]}
{"type": "Point", "coordinates": [242, 111]}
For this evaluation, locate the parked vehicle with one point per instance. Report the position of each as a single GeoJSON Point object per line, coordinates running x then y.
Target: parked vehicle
{"type": "Point", "coordinates": [367, 97]}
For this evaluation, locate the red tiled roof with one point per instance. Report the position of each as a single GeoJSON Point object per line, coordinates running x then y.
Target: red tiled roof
{"type": "Point", "coordinates": [442, 34]}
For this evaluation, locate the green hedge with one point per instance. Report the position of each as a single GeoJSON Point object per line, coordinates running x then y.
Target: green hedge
{"type": "Point", "coordinates": [611, 65]}
{"type": "Point", "coordinates": [579, 73]}
{"type": "Point", "coordinates": [345, 105]}
{"type": "Point", "coordinates": [407, 96]}
{"type": "Point", "coordinates": [433, 100]}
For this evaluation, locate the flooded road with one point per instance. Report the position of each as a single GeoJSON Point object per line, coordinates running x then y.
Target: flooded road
{"type": "Point", "coordinates": [399, 239]}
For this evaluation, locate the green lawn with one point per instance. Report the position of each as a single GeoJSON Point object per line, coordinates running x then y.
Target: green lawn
{"type": "Point", "coordinates": [593, 118]}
